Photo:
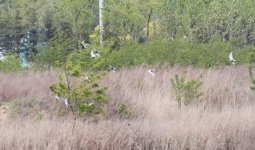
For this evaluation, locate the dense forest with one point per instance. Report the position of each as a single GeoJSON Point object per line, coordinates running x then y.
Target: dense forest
{"type": "Point", "coordinates": [129, 20]}
{"type": "Point", "coordinates": [190, 28]}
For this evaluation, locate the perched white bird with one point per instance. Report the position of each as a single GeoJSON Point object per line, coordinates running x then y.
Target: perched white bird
{"type": "Point", "coordinates": [2, 57]}
{"type": "Point", "coordinates": [85, 45]}
{"type": "Point", "coordinates": [151, 72]}
{"type": "Point", "coordinates": [231, 58]}
{"type": "Point", "coordinates": [111, 68]}
{"type": "Point", "coordinates": [94, 53]}
{"type": "Point", "coordinates": [66, 102]}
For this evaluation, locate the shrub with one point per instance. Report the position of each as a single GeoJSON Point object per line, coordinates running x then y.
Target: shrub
{"type": "Point", "coordinates": [183, 52]}
{"type": "Point", "coordinates": [27, 107]}
{"type": "Point", "coordinates": [83, 58]}
{"type": "Point", "coordinates": [84, 94]}
{"type": "Point", "coordinates": [11, 63]}
{"type": "Point", "coordinates": [123, 110]}
{"type": "Point", "coordinates": [250, 69]}
{"type": "Point", "coordinates": [55, 53]}
{"type": "Point", "coordinates": [186, 91]}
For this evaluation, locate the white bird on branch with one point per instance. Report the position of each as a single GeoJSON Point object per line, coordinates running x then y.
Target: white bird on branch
{"type": "Point", "coordinates": [231, 58]}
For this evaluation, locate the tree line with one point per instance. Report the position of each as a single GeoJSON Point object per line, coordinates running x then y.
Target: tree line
{"type": "Point", "coordinates": [126, 21]}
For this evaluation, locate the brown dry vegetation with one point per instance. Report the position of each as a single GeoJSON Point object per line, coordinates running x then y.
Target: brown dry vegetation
{"type": "Point", "coordinates": [25, 84]}
{"type": "Point", "coordinates": [224, 118]}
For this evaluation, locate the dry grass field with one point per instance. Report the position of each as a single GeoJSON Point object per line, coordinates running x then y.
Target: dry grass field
{"type": "Point", "coordinates": [222, 119]}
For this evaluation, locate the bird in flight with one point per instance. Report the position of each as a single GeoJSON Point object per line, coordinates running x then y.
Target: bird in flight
{"type": "Point", "coordinates": [231, 58]}
{"type": "Point", "coordinates": [151, 72]}
{"type": "Point", "coordinates": [94, 53]}
{"type": "Point", "coordinates": [66, 102]}
{"type": "Point", "coordinates": [90, 104]}
{"type": "Point", "coordinates": [111, 68]}
{"type": "Point", "coordinates": [85, 45]}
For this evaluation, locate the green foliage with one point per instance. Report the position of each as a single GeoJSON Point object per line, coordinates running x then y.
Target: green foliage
{"type": "Point", "coordinates": [252, 84]}
{"type": "Point", "coordinates": [83, 58]}
{"type": "Point", "coordinates": [205, 20]}
{"type": "Point", "coordinates": [123, 110]}
{"type": "Point", "coordinates": [183, 52]}
{"type": "Point", "coordinates": [55, 53]}
{"type": "Point", "coordinates": [11, 63]}
{"type": "Point", "coordinates": [74, 17]}
{"type": "Point", "coordinates": [95, 36]}
{"type": "Point", "coordinates": [39, 116]}
{"type": "Point", "coordinates": [250, 69]}
{"type": "Point", "coordinates": [128, 20]}
{"type": "Point", "coordinates": [85, 95]}
{"type": "Point", "coordinates": [186, 91]}
{"type": "Point", "coordinates": [199, 21]}
{"type": "Point", "coordinates": [30, 108]}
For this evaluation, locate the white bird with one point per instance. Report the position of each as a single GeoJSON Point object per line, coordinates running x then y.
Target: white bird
{"type": "Point", "coordinates": [85, 45]}
{"type": "Point", "coordinates": [231, 58]}
{"type": "Point", "coordinates": [111, 68]}
{"type": "Point", "coordinates": [185, 37]}
{"type": "Point", "coordinates": [94, 53]}
{"type": "Point", "coordinates": [2, 57]}
{"type": "Point", "coordinates": [90, 104]}
{"type": "Point", "coordinates": [66, 102]}
{"type": "Point", "coordinates": [151, 72]}
{"type": "Point", "coordinates": [56, 97]}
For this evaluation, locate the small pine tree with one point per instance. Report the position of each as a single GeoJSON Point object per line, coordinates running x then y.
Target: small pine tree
{"type": "Point", "coordinates": [84, 94]}
{"type": "Point", "coordinates": [186, 91]}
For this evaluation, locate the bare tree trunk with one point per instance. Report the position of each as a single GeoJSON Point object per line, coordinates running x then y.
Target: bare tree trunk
{"type": "Point", "coordinates": [101, 22]}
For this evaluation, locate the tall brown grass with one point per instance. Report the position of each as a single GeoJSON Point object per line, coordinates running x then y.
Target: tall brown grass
{"type": "Point", "coordinates": [153, 97]}
{"type": "Point", "coordinates": [222, 119]}
{"type": "Point", "coordinates": [26, 84]}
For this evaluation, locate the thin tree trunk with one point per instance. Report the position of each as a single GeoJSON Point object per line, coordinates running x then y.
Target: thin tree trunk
{"type": "Point", "coordinates": [148, 23]}
{"type": "Point", "coordinates": [101, 22]}
{"type": "Point", "coordinates": [132, 34]}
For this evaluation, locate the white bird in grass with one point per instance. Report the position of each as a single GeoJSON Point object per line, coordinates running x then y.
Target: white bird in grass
{"type": "Point", "coordinates": [56, 97]}
{"type": "Point", "coordinates": [111, 68]}
{"type": "Point", "coordinates": [94, 53]}
{"type": "Point", "coordinates": [85, 45]}
{"type": "Point", "coordinates": [2, 57]}
{"type": "Point", "coordinates": [66, 102]}
{"type": "Point", "coordinates": [231, 58]}
{"type": "Point", "coordinates": [151, 72]}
